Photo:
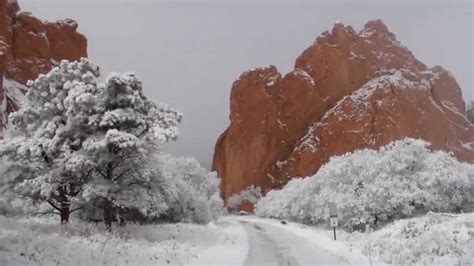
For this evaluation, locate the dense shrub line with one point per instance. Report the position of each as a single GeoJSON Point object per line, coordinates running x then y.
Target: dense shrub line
{"type": "Point", "coordinates": [403, 179]}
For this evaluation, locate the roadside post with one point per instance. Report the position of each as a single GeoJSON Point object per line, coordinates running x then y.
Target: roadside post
{"type": "Point", "coordinates": [333, 217]}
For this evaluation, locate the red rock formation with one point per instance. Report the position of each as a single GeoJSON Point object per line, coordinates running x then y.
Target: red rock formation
{"type": "Point", "coordinates": [348, 91]}
{"type": "Point", "coordinates": [30, 46]}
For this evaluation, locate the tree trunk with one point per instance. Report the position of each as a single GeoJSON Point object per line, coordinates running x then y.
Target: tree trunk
{"type": "Point", "coordinates": [65, 212]}
{"type": "Point", "coordinates": [108, 209]}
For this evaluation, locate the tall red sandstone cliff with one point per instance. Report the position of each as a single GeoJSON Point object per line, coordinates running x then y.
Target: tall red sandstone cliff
{"type": "Point", "coordinates": [30, 46]}
{"type": "Point", "coordinates": [349, 90]}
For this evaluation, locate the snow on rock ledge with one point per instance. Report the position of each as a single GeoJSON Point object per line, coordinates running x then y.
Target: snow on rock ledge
{"type": "Point", "coordinates": [30, 46]}
{"type": "Point", "coordinates": [348, 91]}
{"type": "Point", "coordinates": [33, 44]}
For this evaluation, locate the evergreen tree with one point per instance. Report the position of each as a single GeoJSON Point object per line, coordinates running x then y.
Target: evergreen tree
{"type": "Point", "coordinates": [76, 139]}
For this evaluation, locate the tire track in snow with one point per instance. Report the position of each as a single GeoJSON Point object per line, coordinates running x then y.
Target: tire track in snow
{"type": "Point", "coordinates": [271, 245]}
{"type": "Point", "coordinates": [264, 250]}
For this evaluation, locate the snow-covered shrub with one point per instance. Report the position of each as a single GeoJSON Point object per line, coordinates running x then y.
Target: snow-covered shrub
{"type": "Point", "coordinates": [401, 180]}
{"type": "Point", "coordinates": [433, 239]}
{"type": "Point", "coordinates": [190, 191]}
{"type": "Point", "coordinates": [252, 194]}
{"type": "Point", "coordinates": [186, 193]}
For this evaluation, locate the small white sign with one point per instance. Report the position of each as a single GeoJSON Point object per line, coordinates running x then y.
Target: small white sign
{"type": "Point", "coordinates": [333, 221]}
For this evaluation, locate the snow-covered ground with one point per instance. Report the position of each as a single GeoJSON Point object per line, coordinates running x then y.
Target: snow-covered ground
{"type": "Point", "coordinates": [41, 241]}
{"type": "Point", "coordinates": [230, 241]}
{"type": "Point", "coordinates": [237, 240]}
{"type": "Point", "coordinates": [269, 242]}
{"type": "Point", "coordinates": [274, 243]}
{"type": "Point", "coordinates": [432, 239]}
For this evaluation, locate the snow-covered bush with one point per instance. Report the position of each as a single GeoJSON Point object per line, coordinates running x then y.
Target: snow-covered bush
{"type": "Point", "coordinates": [401, 180]}
{"type": "Point", "coordinates": [251, 195]}
{"type": "Point", "coordinates": [187, 193]}
{"type": "Point", "coordinates": [189, 190]}
{"type": "Point", "coordinates": [433, 239]}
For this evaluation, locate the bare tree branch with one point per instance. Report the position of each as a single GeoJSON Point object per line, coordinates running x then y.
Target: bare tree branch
{"type": "Point", "coordinates": [45, 212]}
{"type": "Point", "coordinates": [76, 209]}
{"type": "Point", "coordinates": [53, 205]}
{"type": "Point", "coordinates": [101, 173]}
{"type": "Point", "coordinates": [121, 174]}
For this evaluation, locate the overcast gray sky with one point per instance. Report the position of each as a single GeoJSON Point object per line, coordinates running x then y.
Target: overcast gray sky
{"type": "Point", "coordinates": [188, 53]}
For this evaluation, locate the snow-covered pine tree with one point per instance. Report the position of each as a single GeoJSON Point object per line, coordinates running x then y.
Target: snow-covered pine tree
{"type": "Point", "coordinates": [128, 130]}
{"type": "Point", "coordinates": [78, 139]}
{"type": "Point", "coordinates": [44, 157]}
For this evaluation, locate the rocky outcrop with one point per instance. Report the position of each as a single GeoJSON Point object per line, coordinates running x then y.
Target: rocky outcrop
{"type": "Point", "coordinates": [347, 91]}
{"type": "Point", "coordinates": [30, 46]}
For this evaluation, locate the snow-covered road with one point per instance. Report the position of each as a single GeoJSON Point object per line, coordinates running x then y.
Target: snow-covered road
{"type": "Point", "coordinates": [253, 241]}
{"type": "Point", "coordinates": [270, 245]}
